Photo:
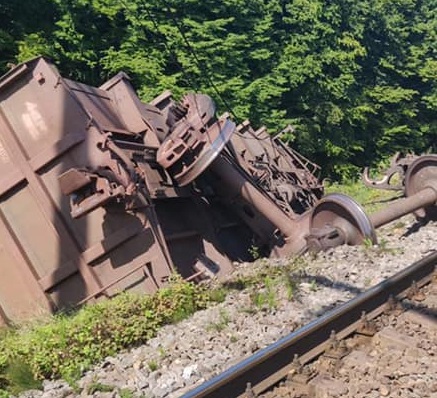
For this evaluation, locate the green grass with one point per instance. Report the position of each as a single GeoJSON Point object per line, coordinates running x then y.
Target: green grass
{"type": "Point", "coordinates": [218, 295]}
{"type": "Point", "coordinates": [254, 252]}
{"type": "Point", "coordinates": [153, 365]}
{"type": "Point", "coordinates": [222, 323]}
{"type": "Point", "coordinates": [126, 393]}
{"type": "Point", "coordinates": [96, 386]}
{"type": "Point", "coordinates": [370, 199]}
{"type": "Point", "coordinates": [19, 376]}
{"type": "Point", "coordinates": [266, 296]}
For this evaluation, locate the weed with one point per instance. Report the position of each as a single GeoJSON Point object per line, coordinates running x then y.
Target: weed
{"type": "Point", "coordinates": [399, 225]}
{"type": "Point", "coordinates": [367, 281]}
{"type": "Point", "coordinates": [4, 393]}
{"type": "Point", "coordinates": [3, 378]}
{"type": "Point", "coordinates": [4, 331]}
{"type": "Point", "coordinates": [218, 295]}
{"type": "Point", "coordinates": [223, 321]}
{"type": "Point", "coordinates": [297, 263]}
{"type": "Point", "coordinates": [96, 386]}
{"type": "Point", "coordinates": [289, 282]}
{"type": "Point", "coordinates": [380, 248]}
{"type": "Point", "coordinates": [248, 310]}
{"type": "Point", "coordinates": [271, 293]}
{"type": "Point", "coordinates": [257, 298]}
{"type": "Point", "coordinates": [153, 365]}
{"type": "Point", "coordinates": [367, 243]}
{"type": "Point", "coordinates": [254, 252]}
{"type": "Point", "coordinates": [70, 343]}
{"type": "Point", "coordinates": [383, 245]}
{"type": "Point", "coordinates": [313, 286]}
{"type": "Point", "coordinates": [19, 377]}
{"type": "Point", "coordinates": [238, 284]}
{"type": "Point", "coordinates": [266, 297]}
{"type": "Point", "coordinates": [161, 352]}
{"type": "Point", "coordinates": [126, 393]}
{"type": "Point", "coordinates": [224, 316]}
{"type": "Point", "coordinates": [290, 288]}
{"type": "Point", "coordinates": [75, 386]}
{"type": "Point", "coordinates": [233, 338]}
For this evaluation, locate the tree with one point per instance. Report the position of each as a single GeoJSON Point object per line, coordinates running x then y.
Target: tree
{"type": "Point", "coordinates": [356, 79]}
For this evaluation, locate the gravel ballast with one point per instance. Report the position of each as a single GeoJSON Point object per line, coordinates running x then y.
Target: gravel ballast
{"type": "Point", "coordinates": [184, 355]}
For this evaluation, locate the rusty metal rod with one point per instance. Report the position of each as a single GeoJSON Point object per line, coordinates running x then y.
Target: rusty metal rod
{"type": "Point", "coordinates": [425, 197]}
{"type": "Point", "coordinates": [237, 184]}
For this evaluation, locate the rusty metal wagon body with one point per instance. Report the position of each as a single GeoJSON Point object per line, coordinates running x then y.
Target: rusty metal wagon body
{"type": "Point", "coordinates": [89, 207]}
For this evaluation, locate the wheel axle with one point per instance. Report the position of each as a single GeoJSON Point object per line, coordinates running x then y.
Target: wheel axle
{"type": "Point", "coordinates": [338, 219]}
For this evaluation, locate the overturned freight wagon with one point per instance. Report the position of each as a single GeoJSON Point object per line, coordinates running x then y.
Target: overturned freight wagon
{"type": "Point", "coordinates": [100, 192]}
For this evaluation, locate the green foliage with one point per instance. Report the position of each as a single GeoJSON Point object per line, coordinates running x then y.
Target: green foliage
{"type": "Point", "coordinates": [254, 252]}
{"type": "Point", "coordinates": [369, 198]}
{"type": "Point", "coordinates": [265, 297]}
{"type": "Point", "coordinates": [69, 344]}
{"type": "Point", "coordinates": [290, 285]}
{"type": "Point", "coordinates": [153, 365]}
{"type": "Point", "coordinates": [233, 338]}
{"type": "Point", "coordinates": [96, 386]}
{"type": "Point", "coordinates": [264, 284]}
{"type": "Point", "coordinates": [367, 243]}
{"type": "Point", "coordinates": [16, 376]}
{"type": "Point", "coordinates": [356, 79]}
{"type": "Point", "coordinates": [221, 324]}
{"type": "Point", "coordinates": [218, 295]}
{"type": "Point", "coordinates": [161, 352]}
{"type": "Point", "coordinates": [126, 393]}
{"type": "Point", "coordinates": [382, 247]}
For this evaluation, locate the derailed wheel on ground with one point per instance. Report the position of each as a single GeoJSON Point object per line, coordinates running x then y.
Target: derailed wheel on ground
{"type": "Point", "coordinates": [422, 173]}
{"type": "Point", "coordinates": [338, 219]}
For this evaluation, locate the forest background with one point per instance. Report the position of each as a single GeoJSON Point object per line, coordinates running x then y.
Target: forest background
{"type": "Point", "coordinates": [356, 79]}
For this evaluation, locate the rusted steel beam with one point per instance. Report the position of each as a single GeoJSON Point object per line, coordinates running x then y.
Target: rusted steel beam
{"type": "Point", "coordinates": [420, 190]}
{"type": "Point", "coordinates": [236, 183]}
{"type": "Point", "coordinates": [424, 198]}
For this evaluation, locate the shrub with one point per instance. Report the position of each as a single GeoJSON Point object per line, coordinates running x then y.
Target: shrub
{"type": "Point", "coordinates": [71, 343]}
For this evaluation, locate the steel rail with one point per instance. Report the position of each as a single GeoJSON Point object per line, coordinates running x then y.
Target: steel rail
{"type": "Point", "coordinates": [271, 364]}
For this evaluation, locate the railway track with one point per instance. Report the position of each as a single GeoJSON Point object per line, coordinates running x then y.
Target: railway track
{"type": "Point", "coordinates": [330, 355]}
